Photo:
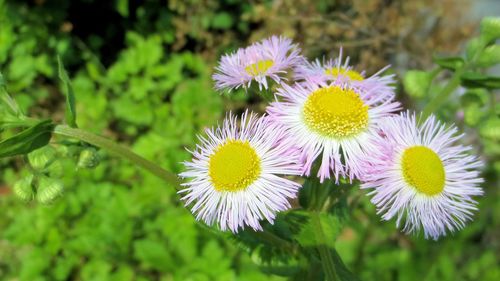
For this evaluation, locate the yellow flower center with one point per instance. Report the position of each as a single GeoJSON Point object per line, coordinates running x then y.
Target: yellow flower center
{"type": "Point", "coordinates": [335, 112]}
{"type": "Point", "coordinates": [234, 166]}
{"type": "Point", "coordinates": [259, 67]}
{"type": "Point", "coordinates": [423, 170]}
{"type": "Point", "coordinates": [351, 74]}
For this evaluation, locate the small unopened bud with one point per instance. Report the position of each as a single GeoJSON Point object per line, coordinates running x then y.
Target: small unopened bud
{"type": "Point", "coordinates": [42, 157]}
{"type": "Point", "coordinates": [56, 169]}
{"type": "Point", "coordinates": [48, 190]}
{"type": "Point", "coordinates": [88, 158]}
{"type": "Point", "coordinates": [490, 29]}
{"type": "Point", "coordinates": [23, 188]}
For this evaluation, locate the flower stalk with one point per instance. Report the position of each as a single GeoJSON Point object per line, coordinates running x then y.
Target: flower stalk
{"type": "Point", "coordinates": [114, 148]}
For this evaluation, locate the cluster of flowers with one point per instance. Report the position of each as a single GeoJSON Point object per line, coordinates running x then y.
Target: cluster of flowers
{"type": "Point", "coordinates": [341, 119]}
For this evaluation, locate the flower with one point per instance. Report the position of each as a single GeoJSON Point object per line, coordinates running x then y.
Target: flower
{"type": "Point", "coordinates": [377, 86]}
{"type": "Point", "coordinates": [333, 120]}
{"type": "Point", "coordinates": [419, 174]}
{"type": "Point", "coordinates": [235, 174]}
{"type": "Point", "coordinates": [268, 58]}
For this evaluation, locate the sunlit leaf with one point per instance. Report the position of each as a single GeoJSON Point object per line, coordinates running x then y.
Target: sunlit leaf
{"type": "Point", "coordinates": [70, 95]}
{"type": "Point", "coordinates": [28, 140]}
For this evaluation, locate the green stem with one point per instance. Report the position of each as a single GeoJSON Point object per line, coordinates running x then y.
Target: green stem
{"type": "Point", "coordinates": [324, 252]}
{"type": "Point", "coordinates": [274, 239]}
{"type": "Point", "coordinates": [119, 150]}
{"type": "Point", "coordinates": [442, 96]}
{"type": "Point", "coordinates": [453, 83]}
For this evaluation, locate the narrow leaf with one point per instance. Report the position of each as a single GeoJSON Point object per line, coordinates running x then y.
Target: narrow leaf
{"type": "Point", "coordinates": [479, 80]}
{"type": "Point", "coordinates": [451, 63]}
{"type": "Point", "coordinates": [28, 140]}
{"type": "Point", "coordinates": [343, 272]}
{"type": "Point", "coordinates": [8, 100]}
{"type": "Point", "coordinates": [70, 96]}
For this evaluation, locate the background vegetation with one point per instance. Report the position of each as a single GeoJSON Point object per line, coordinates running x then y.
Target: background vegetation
{"type": "Point", "coordinates": [141, 74]}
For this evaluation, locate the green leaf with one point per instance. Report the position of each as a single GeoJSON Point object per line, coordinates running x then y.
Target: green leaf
{"type": "Point", "coordinates": [122, 7]}
{"type": "Point", "coordinates": [451, 63]}
{"type": "Point", "coordinates": [222, 21]}
{"type": "Point", "coordinates": [490, 29]}
{"type": "Point", "coordinates": [330, 224]}
{"type": "Point", "coordinates": [343, 272]}
{"type": "Point", "coordinates": [491, 128]}
{"type": "Point", "coordinates": [70, 96]}
{"type": "Point", "coordinates": [417, 83]}
{"type": "Point", "coordinates": [8, 100]}
{"type": "Point", "coordinates": [28, 140]}
{"type": "Point", "coordinates": [490, 56]}
{"type": "Point", "coordinates": [479, 80]}
{"type": "Point", "coordinates": [152, 254]}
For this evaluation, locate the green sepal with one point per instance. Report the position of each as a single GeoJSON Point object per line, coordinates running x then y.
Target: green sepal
{"type": "Point", "coordinates": [88, 159]}
{"type": "Point", "coordinates": [23, 188]}
{"type": "Point", "coordinates": [48, 190]}
{"type": "Point", "coordinates": [451, 63]}
{"type": "Point", "coordinates": [70, 95]}
{"type": "Point", "coordinates": [28, 140]}
{"type": "Point", "coordinates": [55, 170]}
{"type": "Point", "coordinates": [42, 158]}
{"type": "Point", "coordinates": [490, 29]}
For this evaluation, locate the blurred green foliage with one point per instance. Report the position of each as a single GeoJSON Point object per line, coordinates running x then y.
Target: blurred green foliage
{"type": "Point", "coordinates": [140, 71]}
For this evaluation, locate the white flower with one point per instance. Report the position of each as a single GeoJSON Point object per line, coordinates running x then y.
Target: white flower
{"type": "Point", "coordinates": [235, 174]}
{"type": "Point", "coordinates": [420, 176]}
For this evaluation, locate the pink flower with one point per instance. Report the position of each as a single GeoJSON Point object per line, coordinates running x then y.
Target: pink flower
{"type": "Point", "coordinates": [236, 174]}
{"type": "Point", "coordinates": [271, 58]}
{"type": "Point", "coordinates": [376, 86]}
{"type": "Point", "coordinates": [421, 176]}
{"type": "Point", "coordinates": [332, 122]}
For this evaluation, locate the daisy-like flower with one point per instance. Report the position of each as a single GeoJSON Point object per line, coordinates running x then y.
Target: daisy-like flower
{"type": "Point", "coordinates": [271, 58]}
{"type": "Point", "coordinates": [377, 86]}
{"type": "Point", "coordinates": [330, 121]}
{"type": "Point", "coordinates": [418, 174]}
{"type": "Point", "coordinates": [235, 174]}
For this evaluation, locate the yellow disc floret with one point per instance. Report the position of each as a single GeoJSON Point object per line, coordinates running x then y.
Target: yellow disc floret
{"type": "Point", "coordinates": [259, 67]}
{"type": "Point", "coordinates": [423, 170]}
{"type": "Point", "coordinates": [234, 166]}
{"type": "Point", "coordinates": [351, 74]}
{"type": "Point", "coordinates": [335, 112]}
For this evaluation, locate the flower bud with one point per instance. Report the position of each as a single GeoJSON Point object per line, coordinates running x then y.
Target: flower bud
{"type": "Point", "coordinates": [23, 188]}
{"type": "Point", "coordinates": [490, 29]}
{"type": "Point", "coordinates": [42, 157]}
{"type": "Point", "coordinates": [88, 158]}
{"type": "Point", "coordinates": [56, 169]}
{"type": "Point", "coordinates": [48, 190]}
